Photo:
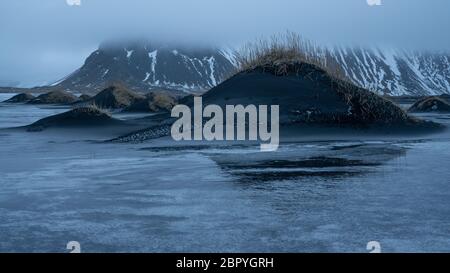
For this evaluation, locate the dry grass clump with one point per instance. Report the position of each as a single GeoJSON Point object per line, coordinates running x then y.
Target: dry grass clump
{"type": "Point", "coordinates": [116, 96]}
{"type": "Point", "coordinates": [367, 107]}
{"type": "Point", "coordinates": [161, 101]}
{"type": "Point", "coordinates": [281, 53]}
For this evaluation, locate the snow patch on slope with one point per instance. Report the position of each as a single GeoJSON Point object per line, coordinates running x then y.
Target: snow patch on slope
{"type": "Point", "coordinates": [211, 62]}
{"type": "Point", "coordinates": [395, 72]}
{"type": "Point", "coordinates": [129, 53]}
{"type": "Point", "coordinates": [230, 55]}
{"type": "Point", "coordinates": [105, 73]}
{"type": "Point", "coordinates": [147, 75]}
{"type": "Point", "coordinates": [153, 58]}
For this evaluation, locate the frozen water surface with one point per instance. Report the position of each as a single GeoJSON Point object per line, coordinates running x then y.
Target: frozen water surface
{"type": "Point", "coordinates": [328, 196]}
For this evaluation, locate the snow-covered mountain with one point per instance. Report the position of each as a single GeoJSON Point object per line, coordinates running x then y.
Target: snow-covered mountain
{"type": "Point", "coordinates": [395, 72]}
{"type": "Point", "coordinates": [145, 67]}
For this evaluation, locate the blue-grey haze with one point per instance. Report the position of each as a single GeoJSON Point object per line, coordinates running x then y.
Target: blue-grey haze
{"type": "Point", "coordinates": [44, 40]}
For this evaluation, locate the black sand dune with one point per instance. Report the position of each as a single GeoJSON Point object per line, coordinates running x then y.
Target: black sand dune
{"type": "Point", "coordinates": [21, 98]}
{"type": "Point", "coordinates": [430, 104]}
{"type": "Point", "coordinates": [80, 117]}
{"type": "Point", "coordinates": [55, 97]}
{"type": "Point", "coordinates": [307, 94]}
{"type": "Point", "coordinates": [116, 97]}
{"type": "Point", "coordinates": [310, 101]}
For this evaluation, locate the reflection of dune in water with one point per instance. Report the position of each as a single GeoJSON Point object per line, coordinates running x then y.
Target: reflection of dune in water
{"type": "Point", "coordinates": [334, 161]}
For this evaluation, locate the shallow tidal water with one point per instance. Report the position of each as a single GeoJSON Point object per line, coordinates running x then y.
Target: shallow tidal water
{"type": "Point", "coordinates": [317, 196]}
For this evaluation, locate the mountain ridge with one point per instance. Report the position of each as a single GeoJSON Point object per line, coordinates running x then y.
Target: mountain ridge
{"type": "Point", "coordinates": [147, 67]}
{"type": "Point", "coordinates": [144, 66]}
{"type": "Point", "coordinates": [395, 72]}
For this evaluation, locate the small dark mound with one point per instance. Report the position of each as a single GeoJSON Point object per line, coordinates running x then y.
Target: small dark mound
{"type": "Point", "coordinates": [78, 117]}
{"type": "Point", "coordinates": [84, 97]}
{"type": "Point", "coordinates": [55, 97]}
{"type": "Point", "coordinates": [153, 102]}
{"type": "Point", "coordinates": [116, 97]}
{"type": "Point", "coordinates": [430, 104]}
{"type": "Point", "coordinates": [23, 97]}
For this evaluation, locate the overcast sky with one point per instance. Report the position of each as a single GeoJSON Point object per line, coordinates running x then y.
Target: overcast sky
{"type": "Point", "coordinates": [43, 40]}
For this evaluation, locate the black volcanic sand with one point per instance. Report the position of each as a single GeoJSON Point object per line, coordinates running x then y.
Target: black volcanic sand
{"type": "Point", "coordinates": [55, 97]}
{"type": "Point", "coordinates": [21, 98]}
{"type": "Point", "coordinates": [431, 104]}
{"type": "Point", "coordinates": [308, 95]}
{"type": "Point", "coordinates": [86, 121]}
{"type": "Point", "coordinates": [311, 103]}
{"type": "Point", "coordinates": [79, 117]}
{"type": "Point", "coordinates": [115, 97]}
